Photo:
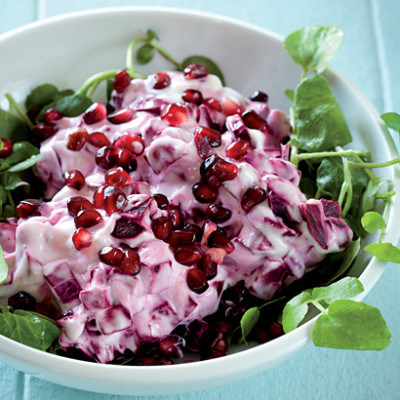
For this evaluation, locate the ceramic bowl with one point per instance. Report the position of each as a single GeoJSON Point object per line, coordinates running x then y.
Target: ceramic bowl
{"type": "Point", "coordinates": [67, 49]}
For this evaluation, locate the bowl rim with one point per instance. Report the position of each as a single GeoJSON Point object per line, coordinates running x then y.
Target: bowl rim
{"type": "Point", "coordinates": [298, 338]}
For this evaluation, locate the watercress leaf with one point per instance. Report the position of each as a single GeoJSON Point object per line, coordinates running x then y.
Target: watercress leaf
{"type": "Point", "coordinates": [345, 288]}
{"type": "Point", "coordinates": [330, 177]}
{"type": "Point", "coordinates": [372, 221]}
{"type": "Point", "coordinates": [351, 325]}
{"type": "Point", "coordinates": [152, 35]}
{"type": "Point", "coordinates": [28, 163]}
{"type": "Point", "coordinates": [289, 93]}
{"type": "Point", "coordinates": [63, 93]}
{"type": "Point", "coordinates": [313, 46]}
{"type": "Point", "coordinates": [320, 121]}
{"type": "Point", "coordinates": [3, 267]}
{"type": "Point", "coordinates": [3, 195]}
{"type": "Point", "coordinates": [9, 211]}
{"type": "Point", "coordinates": [295, 310]}
{"type": "Point", "coordinates": [14, 181]}
{"type": "Point", "coordinates": [249, 320]}
{"type": "Point", "coordinates": [207, 62]}
{"type": "Point", "coordinates": [145, 54]}
{"type": "Point", "coordinates": [28, 327]}
{"type": "Point", "coordinates": [40, 96]}
{"type": "Point", "coordinates": [21, 151]}
{"type": "Point", "coordinates": [369, 196]}
{"type": "Point", "coordinates": [13, 128]}
{"type": "Point", "coordinates": [392, 120]}
{"type": "Point", "coordinates": [385, 251]}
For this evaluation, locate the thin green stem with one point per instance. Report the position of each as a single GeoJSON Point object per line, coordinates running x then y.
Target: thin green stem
{"type": "Point", "coordinates": [303, 74]}
{"type": "Point", "coordinates": [130, 56]}
{"type": "Point", "coordinates": [375, 165]}
{"type": "Point", "coordinates": [343, 153]}
{"type": "Point", "coordinates": [95, 79]}
{"type": "Point", "coordinates": [9, 197]}
{"type": "Point", "coordinates": [318, 305]}
{"type": "Point", "coordinates": [370, 174]}
{"type": "Point", "coordinates": [20, 111]}
{"type": "Point", "coordinates": [386, 195]}
{"type": "Point", "coordinates": [349, 189]}
{"type": "Point", "coordinates": [166, 55]}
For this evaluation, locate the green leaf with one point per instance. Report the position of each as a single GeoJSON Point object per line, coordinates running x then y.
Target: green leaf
{"type": "Point", "coordinates": [345, 288]}
{"type": "Point", "coordinates": [28, 163]}
{"type": "Point", "coordinates": [351, 325]}
{"type": "Point", "coordinates": [313, 46]}
{"type": "Point", "coordinates": [13, 128]}
{"type": "Point", "coordinates": [151, 35]}
{"type": "Point", "coordinates": [289, 93]}
{"type": "Point", "coordinates": [372, 221]}
{"type": "Point", "coordinates": [14, 181]}
{"type": "Point", "coordinates": [249, 320]}
{"type": "Point", "coordinates": [21, 152]}
{"type": "Point", "coordinates": [145, 54]}
{"type": "Point", "coordinates": [384, 251]}
{"type": "Point", "coordinates": [40, 96]}
{"type": "Point", "coordinates": [3, 195]}
{"type": "Point", "coordinates": [3, 267]}
{"type": "Point", "coordinates": [28, 328]}
{"type": "Point", "coordinates": [392, 120]}
{"type": "Point", "coordinates": [207, 62]}
{"type": "Point", "coordinates": [320, 121]}
{"type": "Point", "coordinates": [295, 310]}
{"type": "Point", "coordinates": [9, 211]}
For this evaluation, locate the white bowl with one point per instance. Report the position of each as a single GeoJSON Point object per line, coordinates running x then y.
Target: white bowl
{"type": "Point", "coordinates": [66, 50]}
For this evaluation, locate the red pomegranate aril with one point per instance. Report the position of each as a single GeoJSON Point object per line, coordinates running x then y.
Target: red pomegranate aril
{"type": "Point", "coordinates": [29, 208]}
{"type": "Point", "coordinates": [161, 200]}
{"type": "Point", "coordinates": [176, 217]}
{"type": "Point", "coordinates": [196, 280]}
{"type": "Point", "coordinates": [175, 114]}
{"type": "Point", "coordinates": [225, 171]}
{"type": "Point", "coordinates": [195, 71]}
{"type": "Point", "coordinates": [162, 227]}
{"type": "Point", "coordinates": [253, 196]}
{"type": "Point", "coordinates": [95, 113]}
{"type": "Point", "coordinates": [74, 179]}
{"type": "Point", "coordinates": [198, 232]}
{"type": "Point", "coordinates": [121, 116]}
{"type": "Point", "coordinates": [87, 218]}
{"type": "Point", "coordinates": [77, 140]}
{"type": "Point", "coordinates": [51, 116]}
{"type": "Point", "coordinates": [172, 346]}
{"type": "Point", "coordinates": [134, 144]}
{"type": "Point", "coordinates": [43, 131]}
{"type": "Point", "coordinates": [188, 254]}
{"type": "Point", "coordinates": [113, 199]}
{"type": "Point", "coordinates": [208, 266]}
{"type": "Point", "coordinates": [6, 148]}
{"type": "Point", "coordinates": [229, 107]}
{"type": "Point", "coordinates": [212, 181]}
{"type": "Point", "coordinates": [117, 177]}
{"type": "Point", "coordinates": [203, 146]}
{"type": "Point", "coordinates": [98, 139]}
{"type": "Point", "coordinates": [161, 80]}
{"type": "Point", "coordinates": [211, 135]}
{"type": "Point", "coordinates": [192, 96]}
{"type": "Point", "coordinates": [218, 214]}
{"type": "Point", "coordinates": [208, 163]}
{"type": "Point", "coordinates": [213, 103]}
{"type": "Point", "coordinates": [111, 256]}
{"type": "Point", "coordinates": [204, 193]}
{"type": "Point", "coordinates": [181, 236]}
{"type": "Point", "coordinates": [253, 121]}
{"type": "Point", "coordinates": [82, 238]}
{"type": "Point", "coordinates": [127, 160]}
{"type": "Point", "coordinates": [78, 203]}
{"type": "Point", "coordinates": [219, 239]}
{"type": "Point", "coordinates": [98, 196]}
{"type": "Point", "coordinates": [106, 157]}
{"type": "Point", "coordinates": [33, 114]}
{"type": "Point", "coordinates": [238, 149]}
{"type": "Point", "coordinates": [275, 329]}
{"type": "Point", "coordinates": [121, 81]}
{"type": "Point", "coordinates": [260, 96]}
{"type": "Point", "coordinates": [126, 228]}
{"type": "Point", "coordinates": [130, 264]}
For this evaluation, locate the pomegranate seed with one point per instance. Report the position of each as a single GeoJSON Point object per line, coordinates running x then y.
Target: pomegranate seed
{"type": "Point", "coordinates": [224, 170]}
{"type": "Point", "coordinates": [261, 335]}
{"type": "Point", "coordinates": [259, 96]}
{"type": "Point", "coordinates": [202, 145]}
{"type": "Point", "coordinates": [208, 163]}
{"type": "Point", "coordinates": [121, 81]}
{"type": "Point", "coordinates": [196, 280]}
{"type": "Point", "coordinates": [22, 301]}
{"type": "Point", "coordinates": [126, 228]}
{"type": "Point", "coordinates": [175, 114]}
{"type": "Point", "coordinates": [74, 179]}
{"type": "Point", "coordinates": [106, 157]}
{"type": "Point", "coordinates": [188, 255]}
{"type": "Point", "coordinates": [213, 103]}
{"type": "Point", "coordinates": [176, 217]}
{"type": "Point", "coordinates": [111, 256]}
{"type": "Point", "coordinates": [204, 193]}
{"type": "Point", "coordinates": [229, 107]}
{"type": "Point", "coordinates": [98, 139]}
{"type": "Point", "coordinates": [77, 140]}
{"type": "Point", "coordinates": [212, 181]}
{"type": "Point", "coordinates": [43, 131]}
{"type": "Point", "coordinates": [113, 199]}
{"type": "Point", "coordinates": [51, 116]}
{"type": "Point", "coordinates": [130, 264]}
{"type": "Point", "coordinates": [95, 113]}
{"type": "Point", "coordinates": [181, 236]}
{"type": "Point", "coordinates": [238, 149]}
{"type": "Point", "coordinates": [224, 326]}
{"type": "Point", "coordinates": [195, 71]}
{"type": "Point", "coordinates": [253, 121]}
{"type": "Point", "coordinates": [134, 144]}
{"type": "Point", "coordinates": [87, 218]}
{"type": "Point", "coordinates": [172, 346]}
{"type": "Point", "coordinates": [219, 349]}
{"type": "Point", "coordinates": [162, 228]}
{"type": "Point", "coordinates": [192, 96]}
{"type": "Point", "coordinates": [218, 214]}
{"type": "Point", "coordinates": [33, 113]}
{"type": "Point", "coordinates": [161, 200]}
{"type": "Point", "coordinates": [81, 238]}
{"type": "Point", "coordinates": [253, 196]}
{"type": "Point", "coordinates": [198, 232]}
{"type": "Point", "coordinates": [208, 266]}
{"type": "Point", "coordinates": [7, 147]}
{"type": "Point", "coordinates": [211, 135]}
{"type": "Point", "coordinates": [275, 329]}
{"type": "Point", "coordinates": [161, 80]}
{"type": "Point", "coordinates": [126, 159]}
{"type": "Point", "coordinates": [121, 116]}
{"type": "Point", "coordinates": [29, 208]}
{"type": "Point", "coordinates": [117, 177]}
{"type": "Point", "coordinates": [78, 203]}
{"type": "Point", "coordinates": [98, 196]}
{"type": "Point", "coordinates": [219, 239]}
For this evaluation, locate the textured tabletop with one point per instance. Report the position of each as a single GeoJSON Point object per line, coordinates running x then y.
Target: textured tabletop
{"type": "Point", "coordinates": [369, 57]}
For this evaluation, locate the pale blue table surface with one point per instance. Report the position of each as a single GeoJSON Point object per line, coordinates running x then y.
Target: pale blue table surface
{"type": "Point", "coordinates": [370, 57]}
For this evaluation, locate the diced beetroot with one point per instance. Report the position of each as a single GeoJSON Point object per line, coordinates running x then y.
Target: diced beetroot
{"type": "Point", "coordinates": [331, 208]}
{"type": "Point", "coordinates": [95, 298]}
{"type": "Point", "coordinates": [312, 214]}
{"type": "Point", "coordinates": [126, 228]}
{"type": "Point", "coordinates": [113, 319]}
